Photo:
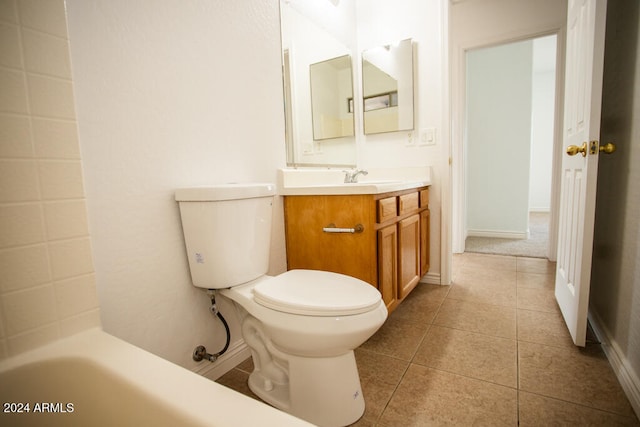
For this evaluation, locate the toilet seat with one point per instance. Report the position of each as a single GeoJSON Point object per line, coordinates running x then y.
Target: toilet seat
{"type": "Point", "coordinates": [316, 293]}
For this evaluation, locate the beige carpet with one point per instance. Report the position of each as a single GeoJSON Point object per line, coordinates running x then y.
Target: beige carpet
{"type": "Point", "coordinates": [535, 246]}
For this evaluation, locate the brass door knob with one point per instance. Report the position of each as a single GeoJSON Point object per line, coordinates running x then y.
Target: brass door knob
{"type": "Point", "coordinates": [608, 148]}
{"type": "Point", "coordinates": [572, 150]}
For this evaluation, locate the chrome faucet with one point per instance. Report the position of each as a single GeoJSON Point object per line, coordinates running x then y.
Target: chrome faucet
{"type": "Point", "coordinates": [352, 176]}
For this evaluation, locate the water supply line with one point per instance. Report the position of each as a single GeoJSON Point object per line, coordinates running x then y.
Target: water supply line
{"type": "Point", "coordinates": [200, 351]}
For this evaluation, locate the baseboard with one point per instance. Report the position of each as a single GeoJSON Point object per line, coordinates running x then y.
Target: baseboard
{"type": "Point", "coordinates": [431, 279]}
{"type": "Point", "coordinates": [498, 234]}
{"type": "Point", "coordinates": [626, 376]}
{"type": "Point", "coordinates": [539, 210]}
{"type": "Point", "coordinates": [235, 355]}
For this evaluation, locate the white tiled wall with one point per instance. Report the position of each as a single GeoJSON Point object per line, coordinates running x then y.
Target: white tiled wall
{"type": "Point", "coordinates": [47, 282]}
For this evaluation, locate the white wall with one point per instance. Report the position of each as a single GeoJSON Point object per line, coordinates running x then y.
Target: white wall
{"type": "Point", "coordinates": [182, 94]}
{"type": "Point", "coordinates": [47, 285]}
{"type": "Point", "coordinates": [498, 139]}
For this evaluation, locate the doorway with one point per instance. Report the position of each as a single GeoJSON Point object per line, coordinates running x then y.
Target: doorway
{"type": "Point", "coordinates": [508, 144]}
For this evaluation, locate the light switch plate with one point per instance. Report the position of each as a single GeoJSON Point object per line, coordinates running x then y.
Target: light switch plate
{"type": "Point", "coordinates": [427, 136]}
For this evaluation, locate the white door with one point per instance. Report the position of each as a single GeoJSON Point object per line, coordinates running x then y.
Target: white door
{"type": "Point", "coordinates": [583, 93]}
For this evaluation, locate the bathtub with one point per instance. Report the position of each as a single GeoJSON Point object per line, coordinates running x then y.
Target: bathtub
{"type": "Point", "coordinates": [95, 379]}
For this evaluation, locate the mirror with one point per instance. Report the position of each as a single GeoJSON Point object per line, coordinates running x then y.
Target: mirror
{"type": "Point", "coordinates": [387, 88]}
{"type": "Point", "coordinates": [332, 98]}
{"type": "Point", "coordinates": [314, 35]}
{"type": "Point", "coordinates": [319, 42]}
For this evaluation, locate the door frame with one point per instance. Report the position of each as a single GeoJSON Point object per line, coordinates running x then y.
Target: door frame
{"type": "Point", "coordinates": [458, 135]}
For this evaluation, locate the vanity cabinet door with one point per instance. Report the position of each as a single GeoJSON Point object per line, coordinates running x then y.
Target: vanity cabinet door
{"type": "Point", "coordinates": [408, 254]}
{"type": "Point", "coordinates": [388, 265]}
{"type": "Point", "coordinates": [310, 247]}
{"type": "Point", "coordinates": [424, 241]}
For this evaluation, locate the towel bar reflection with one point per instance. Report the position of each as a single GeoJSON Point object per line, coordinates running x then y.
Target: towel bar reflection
{"type": "Point", "coordinates": [331, 228]}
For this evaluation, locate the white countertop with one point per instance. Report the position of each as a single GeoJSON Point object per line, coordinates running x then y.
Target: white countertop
{"type": "Point", "coordinates": [301, 182]}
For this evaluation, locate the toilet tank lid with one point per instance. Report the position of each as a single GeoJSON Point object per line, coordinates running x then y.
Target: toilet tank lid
{"type": "Point", "coordinates": [230, 191]}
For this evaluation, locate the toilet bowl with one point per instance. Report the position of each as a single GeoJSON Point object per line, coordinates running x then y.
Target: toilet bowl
{"type": "Point", "coordinates": [300, 323]}
{"type": "Point", "coordinates": [301, 326]}
{"type": "Point", "coordinates": [302, 345]}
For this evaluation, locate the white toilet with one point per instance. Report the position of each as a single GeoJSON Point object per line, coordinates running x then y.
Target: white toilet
{"type": "Point", "coordinates": [302, 325]}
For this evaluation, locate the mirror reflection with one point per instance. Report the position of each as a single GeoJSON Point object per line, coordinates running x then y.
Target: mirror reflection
{"type": "Point", "coordinates": [387, 88]}
{"type": "Point", "coordinates": [313, 32]}
{"type": "Point", "coordinates": [332, 98]}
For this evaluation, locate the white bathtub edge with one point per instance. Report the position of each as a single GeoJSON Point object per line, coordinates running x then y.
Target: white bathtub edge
{"type": "Point", "coordinates": [206, 402]}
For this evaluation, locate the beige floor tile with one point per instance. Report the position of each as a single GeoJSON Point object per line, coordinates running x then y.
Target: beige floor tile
{"type": "Point", "coordinates": [496, 287]}
{"type": "Point", "coordinates": [470, 354]}
{"type": "Point", "coordinates": [537, 299]}
{"type": "Point", "coordinates": [489, 262]}
{"type": "Point", "coordinates": [246, 365]}
{"type": "Point", "coordinates": [237, 380]}
{"type": "Point", "coordinates": [535, 410]}
{"type": "Point", "coordinates": [364, 422]}
{"type": "Point", "coordinates": [470, 274]}
{"type": "Point", "coordinates": [543, 328]}
{"type": "Point", "coordinates": [428, 397]}
{"type": "Point", "coordinates": [457, 263]}
{"type": "Point", "coordinates": [379, 377]}
{"type": "Point", "coordinates": [536, 280]}
{"type": "Point", "coordinates": [422, 304]}
{"type": "Point", "coordinates": [397, 338]}
{"type": "Point", "coordinates": [581, 376]}
{"type": "Point", "coordinates": [481, 318]}
{"type": "Point", "coordinates": [535, 265]}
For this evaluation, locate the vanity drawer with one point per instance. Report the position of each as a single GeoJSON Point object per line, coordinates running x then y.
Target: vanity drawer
{"type": "Point", "coordinates": [424, 198]}
{"type": "Point", "coordinates": [387, 209]}
{"type": "Point", "coordinates": [408, 203]}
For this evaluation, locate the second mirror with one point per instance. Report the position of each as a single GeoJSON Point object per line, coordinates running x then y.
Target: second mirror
{"type": "Point", "coordinates": [387, 84]}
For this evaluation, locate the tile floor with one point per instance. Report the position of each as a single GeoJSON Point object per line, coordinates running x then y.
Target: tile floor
{"type": "Point", "coordinates": [491, 349]}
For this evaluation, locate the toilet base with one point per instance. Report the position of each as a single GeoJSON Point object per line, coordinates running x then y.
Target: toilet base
{"type": "Point", "coordinates": [324, 391]}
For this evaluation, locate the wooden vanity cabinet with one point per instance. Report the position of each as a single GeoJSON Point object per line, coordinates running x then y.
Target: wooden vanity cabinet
{"type": "Point", "coordinates": [391, 252]}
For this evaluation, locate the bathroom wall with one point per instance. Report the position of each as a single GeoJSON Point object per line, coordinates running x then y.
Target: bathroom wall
{"type": "Point", "coordinates": [47, 285]}
{"type": "Point", "coordinates": [177, 95]}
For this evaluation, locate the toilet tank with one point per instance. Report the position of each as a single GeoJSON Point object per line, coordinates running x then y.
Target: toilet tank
{"type": "Point", "coordinates": [227, 232]}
